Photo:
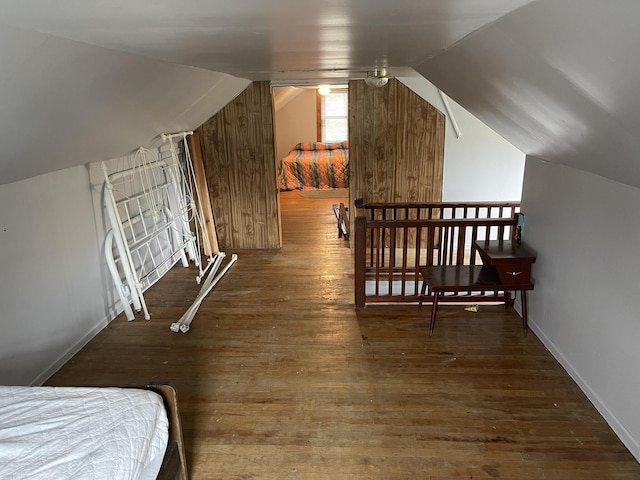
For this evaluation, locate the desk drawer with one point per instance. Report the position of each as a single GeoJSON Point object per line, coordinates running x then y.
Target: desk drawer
{"type": "Point", "coordinates": [514, 273]}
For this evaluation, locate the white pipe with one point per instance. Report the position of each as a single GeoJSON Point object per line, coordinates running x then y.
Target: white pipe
{"type": "Point", "coordinates": [165, 136]}
{"type": "Point", "coordinates": [175, 327]}
{"type": "Point", "coordinates": [184, 323]}
{"type": "Point", "coordinates": [447, 107]}
{"type": "Point", "coordinates": [123, 290]}
{"type": "Point", "coordinates": [139, 288]}
{"type": "Point", "coordinates": [203, 271]}
{"type": "Point", "coordinates": [191, 313]}
{"type": "Point", "coordinates": [214, 269]}
{"type": "Point", "coordinates": [118, 235]}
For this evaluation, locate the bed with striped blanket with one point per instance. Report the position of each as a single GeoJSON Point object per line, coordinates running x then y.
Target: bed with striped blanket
{"type": "Point", "coordinates": [315, 165]}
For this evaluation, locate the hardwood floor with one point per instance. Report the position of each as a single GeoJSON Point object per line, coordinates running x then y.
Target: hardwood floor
{"type": "Point", "coordinates": [281, 378]}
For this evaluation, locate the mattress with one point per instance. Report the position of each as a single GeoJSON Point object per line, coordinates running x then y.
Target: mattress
{"type": "Point", "coordinates": [81, 433]}
{"type": "Point", "coordinates": [315, 165]}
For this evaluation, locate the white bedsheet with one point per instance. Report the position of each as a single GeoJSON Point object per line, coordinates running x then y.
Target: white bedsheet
{"type": "Point", "coordinates": [81, 433]}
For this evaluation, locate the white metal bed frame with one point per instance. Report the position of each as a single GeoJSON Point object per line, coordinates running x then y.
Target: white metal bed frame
{"type": "Point", "coordinates": [152, 207]}
{"type": "Point", "coordinates": [143, 205]}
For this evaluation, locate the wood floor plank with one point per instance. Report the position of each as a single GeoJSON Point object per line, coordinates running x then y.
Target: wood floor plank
{"type": "Point", "coordinates": [281, 378]}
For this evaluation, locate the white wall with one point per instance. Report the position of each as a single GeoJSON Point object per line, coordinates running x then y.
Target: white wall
{"type": "Point", "coordinates": [478, 166]}
{"type": "Point", "coordinates": [51, 299]}
{"type": "Point", "coordinates": [295, 122]}
{"type": "Point", "coordinates": [585, 231]}
{"type": "Point", "coordinates": [56, 292]}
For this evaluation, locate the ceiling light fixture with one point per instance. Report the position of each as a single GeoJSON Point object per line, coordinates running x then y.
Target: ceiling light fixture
{"type": "Point", "coordinates": [377, 78]}
{"type": "Point", "coordinates": [324, 89]}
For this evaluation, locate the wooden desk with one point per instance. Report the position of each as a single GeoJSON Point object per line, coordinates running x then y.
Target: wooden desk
{"type": "Point", "coordinates": [507, 267]}
{"type": "Point", "coordinates": [512, 261]}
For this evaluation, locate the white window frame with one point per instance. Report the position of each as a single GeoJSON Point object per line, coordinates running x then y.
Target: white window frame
{"type": "Point", "coordinates": [321, 117]}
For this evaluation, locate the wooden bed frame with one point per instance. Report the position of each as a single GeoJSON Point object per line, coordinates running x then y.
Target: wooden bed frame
{"type": "Point", "coordinates": [174, 464]}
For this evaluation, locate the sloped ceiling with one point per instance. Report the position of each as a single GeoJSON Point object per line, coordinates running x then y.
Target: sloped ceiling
{"type": "Point", "coordinates": [559, 79]}
{"type": "Point", "coordinates": [65, 103]}
{"type": "Point", "coordinates": [81, 81]}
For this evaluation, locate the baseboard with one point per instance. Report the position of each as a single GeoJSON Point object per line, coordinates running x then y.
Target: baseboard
{"type": "Point", "coordinates": [112, 312]}
{"type": "Point", "coordinates": [70, 352]}
{"type": "Point", "coordinates": [623, 434]}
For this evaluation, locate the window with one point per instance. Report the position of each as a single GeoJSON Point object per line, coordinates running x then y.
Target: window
{"type": "Point", "coordinates": [333, 116]}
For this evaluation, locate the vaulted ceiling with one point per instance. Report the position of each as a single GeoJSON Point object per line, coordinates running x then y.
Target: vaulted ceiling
{"type": "Point", "coordinates": [83, 81]}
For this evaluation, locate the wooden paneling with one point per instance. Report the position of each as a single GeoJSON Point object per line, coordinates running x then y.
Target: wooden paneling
{"type": "Point", "coordinates": [419, 141]}
{"type": "Point", "coordinates": [396, 154]}
{"type": "Point", "coordinates": [238, 149]}
{"type": "Point", "coordinates": [396, 145]}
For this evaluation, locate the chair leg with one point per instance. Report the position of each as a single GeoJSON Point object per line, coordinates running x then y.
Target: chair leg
{"type": "Point", "coordinates": [525, 321]}
{"type": "Point", "coordinates": [423, 291]}
{"type": "Point", "coordinates": [434, 310]}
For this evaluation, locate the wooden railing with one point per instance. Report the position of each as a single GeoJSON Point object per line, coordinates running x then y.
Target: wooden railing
{"type": "Point", "coordinates": [391, 241]}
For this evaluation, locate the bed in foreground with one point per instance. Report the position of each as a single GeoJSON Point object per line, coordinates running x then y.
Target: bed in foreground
{"type": "Point", "coordinates": [90, 433]}
{"type": "Point", "coordinates": [315, 165]}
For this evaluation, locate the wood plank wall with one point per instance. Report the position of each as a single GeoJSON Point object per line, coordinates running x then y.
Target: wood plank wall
{"type": "Point", "coordinates": [396, 145]}
{"type": "Point", "coordinates": [238, 149]}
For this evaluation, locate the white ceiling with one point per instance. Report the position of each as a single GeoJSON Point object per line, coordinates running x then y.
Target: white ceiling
{"type": "Point", "coordinates": [83, 81]}
{"type": "Point", "coordinates": [265, 39]}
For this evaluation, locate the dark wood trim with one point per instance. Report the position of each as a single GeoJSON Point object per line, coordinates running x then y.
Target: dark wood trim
{"type": "Point", "coordinates": [360, 255]}
{"type": "Point", "coordinates": [318, 116]}
{"type": "Point", "coordinates": [392, 241]}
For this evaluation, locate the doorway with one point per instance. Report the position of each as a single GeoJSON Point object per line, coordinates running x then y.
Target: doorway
{"type": "Point", "coordinates": [311, 147]}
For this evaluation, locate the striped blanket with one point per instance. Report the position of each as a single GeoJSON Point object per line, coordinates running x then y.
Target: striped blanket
{"type": "Point", "coordinates": [315, 165]}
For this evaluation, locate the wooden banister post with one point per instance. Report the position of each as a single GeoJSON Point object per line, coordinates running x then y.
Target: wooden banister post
{"type": "Point", "coordinates": [360, 254]}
